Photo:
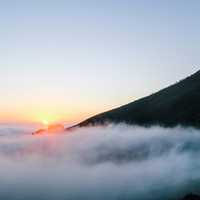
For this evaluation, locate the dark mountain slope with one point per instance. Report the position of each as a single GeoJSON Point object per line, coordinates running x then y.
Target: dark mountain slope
{"type": "Point", "coordinates": [191, 197]}
{"type": "Point", "coordinates": [174, 105]}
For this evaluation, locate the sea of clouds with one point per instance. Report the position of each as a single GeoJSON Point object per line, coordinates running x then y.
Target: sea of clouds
{"type": "Point", "coordinates": [114, 162]}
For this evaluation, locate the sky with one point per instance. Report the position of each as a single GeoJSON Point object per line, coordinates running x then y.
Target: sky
{"type": "Point", "coordinates": [66, 60]}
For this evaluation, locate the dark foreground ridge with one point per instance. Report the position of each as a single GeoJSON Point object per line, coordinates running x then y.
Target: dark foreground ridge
{"type": "Point", "coordinates": [191, 197]}
{"type": "Point", "coordinates": [178, 104]}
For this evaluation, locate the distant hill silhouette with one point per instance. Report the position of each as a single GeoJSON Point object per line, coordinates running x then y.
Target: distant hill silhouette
{"type": "Point", "coordinates": [178, 104]}
{"type": "Point", "coordinates": [52, 128]}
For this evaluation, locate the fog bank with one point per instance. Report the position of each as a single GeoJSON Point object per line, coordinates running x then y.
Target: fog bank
{"type": "Point", "coordinates": [112, 162]}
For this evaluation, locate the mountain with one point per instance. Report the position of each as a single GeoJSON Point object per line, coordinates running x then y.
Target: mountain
{"type": "Point", "coordinates": [53, 128]}
{"type": "Point", "coordinates": [191, 197]}
{"type": "Point", "coordinates": [178, 104]}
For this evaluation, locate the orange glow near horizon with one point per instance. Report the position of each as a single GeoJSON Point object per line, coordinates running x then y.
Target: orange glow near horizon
{"type": "Point", "coordinates": [51, 113]}
{"type": "Point", "coordinates": [44, 118]}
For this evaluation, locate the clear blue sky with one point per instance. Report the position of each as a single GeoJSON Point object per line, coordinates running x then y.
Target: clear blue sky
{"type": "Point", "coordinates": [76, 58]}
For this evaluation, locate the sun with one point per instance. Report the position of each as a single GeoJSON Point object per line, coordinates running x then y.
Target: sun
{"type": "Point", "coordinates": [47, 119]}
{"type": "Point", "coordinates": [45, 122]}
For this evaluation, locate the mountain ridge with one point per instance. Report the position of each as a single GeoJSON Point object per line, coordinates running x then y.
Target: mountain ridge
{"type": "Point", "coordinates": [178, 104]}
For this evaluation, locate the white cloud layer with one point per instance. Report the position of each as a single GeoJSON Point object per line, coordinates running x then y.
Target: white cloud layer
{"type": "Point", "coordinates": [116, 162]}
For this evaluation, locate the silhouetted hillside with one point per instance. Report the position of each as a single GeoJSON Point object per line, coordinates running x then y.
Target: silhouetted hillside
{"type": "Point", "coordinates": [191, 197]}
{"type": "Point", "coordinates": [174, 105]}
